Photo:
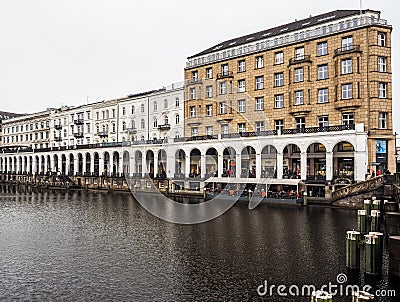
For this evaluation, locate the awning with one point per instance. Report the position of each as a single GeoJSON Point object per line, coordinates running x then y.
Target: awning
{"type": "Point", "coordinates": [266, 181]}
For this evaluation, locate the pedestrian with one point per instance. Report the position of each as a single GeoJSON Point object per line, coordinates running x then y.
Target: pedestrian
{"type": "Point", "coordinates": [373, 173]}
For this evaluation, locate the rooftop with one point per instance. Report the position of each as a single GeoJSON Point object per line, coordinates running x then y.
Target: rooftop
{"type": "Point", "coordinates": [289, 27]}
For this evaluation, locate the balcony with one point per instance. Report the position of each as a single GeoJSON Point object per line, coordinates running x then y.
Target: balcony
{"type": "Point", "coordinates": [78, 121]}
{"type": "Point", "coordinates": [226, 74]}
{"type": "Point", "coordinates": [194, 81]}
{"type": "Point", "coordinates": [164, 127]}
{"type": "Point", "coordinates": [57, 138]}
{"type": "Point", "coordinates": [225, 117]}
{"type": "Point", "coordinates": [78, 134]}
{"type": "Point", "coordinates": [300, 59]}
{"type": "Point", "coordinates": [131, 130]}
{"type": "Point", "coordinates": [348, 104]}
{"type": "Point", "coordinates": [58, 127]}
{"type": "Point", "coordinates": [347, 49]}
{"type": "Point", "coordinates": [300, 109]}
{"type": "Point", "coordinates": [102, 134]}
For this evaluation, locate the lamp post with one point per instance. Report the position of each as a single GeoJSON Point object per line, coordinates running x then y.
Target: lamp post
{"type": "Point", "coordinates": [396, 155]}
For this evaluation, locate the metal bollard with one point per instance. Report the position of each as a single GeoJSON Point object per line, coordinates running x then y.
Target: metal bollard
{"type": "Point", "coordinates": [320, 295]}
{"type": "Point", "coordinates": [372, 257]}
{"type": "Point", "coordinates": [362, 221]}
{"type": "Point", "coordinates": [362, 296]}
{"type": "Point", "coordinates": [367, 206]}
{"type": "Point", "coordinates": [375, 220]}
{"type": "Point", "coordinates": [352, 250]}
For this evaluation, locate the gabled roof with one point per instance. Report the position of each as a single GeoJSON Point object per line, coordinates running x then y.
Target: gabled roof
{"type": "Point", "coordinates": [7, 115]}
{"type": "Point", "coordinates": [275, 31]}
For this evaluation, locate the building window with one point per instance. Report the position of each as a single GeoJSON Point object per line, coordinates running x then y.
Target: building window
{"type": "Point", "coordinates": [259, 62]}
{"type": "Point", "coordinates": [209, 110]}
{"type": "Point", "coordinates": [382, 90]}
{"type": "Point", "coordinates": [123, 111]}
{"type": "Point", "coordinates": [381, 64]}
{"type": "Point", "coordinates": [259, 103]}
{"type": "Point", "coordinates": [113, 128]}
{"type": "Point", "coordinates": [299, 97]}
{"type": "Point", "coordinates": [348, 118]}
{"type": "Point", "coordinates": [133, 110]}
{"type": "Point", "coordinates": [298, 74]}
{"type": "Point", "coordinates": [192, 92]}
{"type": "Point", "coordinates": [300, 122]}
{"type": "Point", "coordinates": [224, 69]}
{"type": "Point", "coordinates": [382, 120]}
{"type": "Point", "coordinates": [347, 66]}
{"type": "Point", "coordinates": [177, 103]}
{"type": "Point", "coordinates": [381, 39]}
{"type": "Point", "coordinates": [242, 106]}
{"type": "Point", "coordinates": [241, 127]}
{"type": "Point", "coordinates": [279, 57]}
{"type": "Point", "coordinates": [222, 108]}
{"type": "Point", "coordinates": [347, 43]}
{"type": "Point", "coordinates": [241, 66]}
{"type": "Point", "coordinates": [322, 72]}
{"type": "Point", "coordinates": [241, 85]}
{"type": "Point", "coordinates": [259, 82]}
{"type": "Point", "coordinates": [222, 88]}
{"type": "Point", "coordinates": [299, 53]}
{"type": "Point", "coordinates": [322, 48]}
{"type": "Point", "coordinates": [259, 126]}
{"type": "Point", "coordinates": [209, 130]}
{"type": "Point", "coordinates": [192, 110]}
{"type": "Point", "coordinates": [195, 76]}
{"type": "Point", "coordinates": [155, 123]}
{"type": "Point", "coordinates": [177, 119]}
{"type": "Point", "coordinates": [209, 91]}
{"type": "Point", "coordinates": [347, 91]}
{"type": "Point", "coordinates": [195, 131]}
{"type": "Point", "coordinates": [279, 125]}
{"type": "Point", "coordinates": [278, 79]}
{"type": "Point", "coordinates": [165, 104]}
{"type": "Point", "coordinates": [209, 73]}
{"type": "Point", "coordinates": [142, 108]}
{"type": "Point", "coordinates": [323, 95]}
{"type": "Point", "coordinates": [224, 129]}
{"type": "Point", "coordinates": [279, 103]}
{"type": "Point", "coordinates": [323, 121]}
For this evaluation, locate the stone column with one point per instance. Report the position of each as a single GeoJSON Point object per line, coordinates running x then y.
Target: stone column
{"type": "Point", "coordinates": [91, 163]}
{"type": "Point", "coordinates": [34, 165]}
{"type": "Point", "coordinates": [329, 166]}
{"type": "Point", "coordinates": [60, 163]}
{"type": "Point", "coordinates": [76, 164]}
{"type": "Point", "coordinates": [83, 164]}
{"type": "Point", "coordinates": [279, 165]}
{"type": "Point", "coordinates": [303, 165]}
{"type": "Point", "coordinates": [360, 165]}
{"type": "Point", "coordinates": [144, 166]}
{"type": "Point", "coordinates": [238, 165]}
{"type": "Point", "coordinates": [203, 165]}
{"type": "Point", "coordinates": [101, 165]}
{"type": "Point", "coordinates": [121, 164]}
{"type": "Point", "coordinates": [40, 164]}
{"type": "Point", "coordinates": [132, 165]}
{"type": "Point", "coordinates": [52, 164]}
{"type": "Point", "coordinates": [187, 166]}
{"type": "Point", "coordinates": [155, 164]}
{"type": "Point", "coordinates": [258, 165]}
{"type": "Point", "coordinates": [220, 164]}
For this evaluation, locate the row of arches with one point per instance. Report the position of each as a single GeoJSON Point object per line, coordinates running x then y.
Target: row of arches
{"type": "Point", "coordinates": [316, 163]}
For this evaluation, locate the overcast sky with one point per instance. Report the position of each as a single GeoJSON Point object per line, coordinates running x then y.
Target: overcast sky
{"type": "Point", "coordinates": [63, 52]}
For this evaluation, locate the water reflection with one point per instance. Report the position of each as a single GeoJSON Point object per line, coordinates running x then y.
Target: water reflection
{"type": "Point", "coordinates": [82, 245]}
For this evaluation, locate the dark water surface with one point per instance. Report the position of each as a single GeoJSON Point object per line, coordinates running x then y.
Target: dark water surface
{"type": "Point", "coordinates": [90, 246]}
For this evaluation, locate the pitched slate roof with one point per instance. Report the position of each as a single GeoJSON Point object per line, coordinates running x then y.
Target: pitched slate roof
{"type": "Point", "coordinates": [275, 31]}
{"type": "Point", "coordinates": [7, 115]}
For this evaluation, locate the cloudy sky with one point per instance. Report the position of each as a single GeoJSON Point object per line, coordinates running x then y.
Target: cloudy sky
{"type": "Point", "coordinates": [65, 52]}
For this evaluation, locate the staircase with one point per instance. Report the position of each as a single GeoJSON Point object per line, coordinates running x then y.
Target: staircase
{"type": "Point", "coordinates": [352, 195]}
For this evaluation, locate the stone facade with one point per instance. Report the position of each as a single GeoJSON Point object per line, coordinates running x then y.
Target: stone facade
{"type": "Point", "coordinates": [301, 83]}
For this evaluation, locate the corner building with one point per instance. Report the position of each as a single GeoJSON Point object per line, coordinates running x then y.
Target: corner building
{"type": "Point", "coordinates": [302, 79]}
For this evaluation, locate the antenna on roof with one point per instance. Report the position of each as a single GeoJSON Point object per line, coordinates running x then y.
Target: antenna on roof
{"type": "Point", "coordinates": [360, 7]}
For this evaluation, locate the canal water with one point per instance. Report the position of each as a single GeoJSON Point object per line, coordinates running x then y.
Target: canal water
{"type": "Point", "coordinates": [96, 246]}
